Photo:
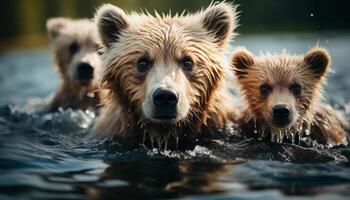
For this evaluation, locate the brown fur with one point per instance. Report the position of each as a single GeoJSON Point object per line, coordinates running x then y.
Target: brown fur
{"type": "Point", "coordinates": [281, 72]}
{"type": "Point", "coordinates": [72, 92]}
{"type": "Point", "coordinates": [165, 40]}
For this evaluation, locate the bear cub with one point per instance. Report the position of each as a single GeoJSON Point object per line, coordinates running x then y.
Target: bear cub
{"type": "Point", "coordinates": [164, 76]}
{"type": "Point", "coordinates": [283, 94]}
{"type": "Point", "coordinates": [74, 44]}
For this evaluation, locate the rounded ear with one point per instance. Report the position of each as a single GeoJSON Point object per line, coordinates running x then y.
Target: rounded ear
{"type": "Point", "coordinates": [55, 25]}
{"type": "Point", "coordinates": [220, 20]}
{"type": "Point", "coordinates": [318, 59]}
{"type": "Point", "coordinates": [111, 21]}
{"type": "Point", "coordinates": [241, 60]}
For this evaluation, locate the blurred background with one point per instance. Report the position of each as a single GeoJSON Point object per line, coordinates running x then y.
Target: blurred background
{"type": "Point", "coordinates": [266, 25]}
{"type": "Point", "coordinates": [23, 21]}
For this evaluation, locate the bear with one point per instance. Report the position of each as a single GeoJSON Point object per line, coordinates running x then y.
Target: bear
{"type": "Point", "coordinates": [74, 48]}
{"type": "Point", "coordinates": [283, 95]}
{"type": "Point", "coordinates": [164, 78]}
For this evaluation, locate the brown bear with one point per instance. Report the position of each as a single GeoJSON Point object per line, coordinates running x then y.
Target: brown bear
{"type": "Point", "coordinates": [283, 95]}
{"type": "Point", "coordinates": [164, 77]}
{"type": "Point", "coordinates": [75, 57]}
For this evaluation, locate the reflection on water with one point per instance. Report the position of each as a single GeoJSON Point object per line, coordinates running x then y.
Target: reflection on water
{"type": "Point", "coordinates": [53, 156]}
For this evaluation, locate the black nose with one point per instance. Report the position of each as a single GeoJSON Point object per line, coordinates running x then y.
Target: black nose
{"type": "Point", "coordinates": [165, 102]}
{"type": "Point", "coordinates": [84, 71]}
{"type": "Point", "coordinates": [281, 114]}
{"type": "Point", "coordinates": [164, 98]}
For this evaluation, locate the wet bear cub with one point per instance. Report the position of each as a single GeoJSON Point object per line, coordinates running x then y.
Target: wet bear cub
{"type": "Point", "coordinates": [73, 45]}
{"type": "Point", "coordinates": [164, 76]}
{"type": "Point", "coordinates": [283, 95]}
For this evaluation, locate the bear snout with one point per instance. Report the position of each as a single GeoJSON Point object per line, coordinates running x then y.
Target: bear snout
{"type": "Point", "coordinates": [282, 115]}
{"type": "Point", "coordinates": [165, 103]}
{"type": "Point", "coordinates": [84, 72]}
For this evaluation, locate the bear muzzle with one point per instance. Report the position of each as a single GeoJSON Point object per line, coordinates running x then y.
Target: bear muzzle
{"type": "Point", "coordinates": [282, 115]}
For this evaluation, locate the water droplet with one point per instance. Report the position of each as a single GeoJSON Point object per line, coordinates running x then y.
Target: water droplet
{"type": "Point", "coordinates": [292, 137]}
{"type": "Point", "coordinates": [273, 136]}
{"type": "Point", "coordinates": [160, 141]}
{"type": "Point", "coordinates": [152, 141]}
{"type": "Point", "coordinates": [307, 132]}
{"type": "Point", "coordinates": [300, 135]}
{"type": "Point", "coordinates": [279, 137]}
{"type": "Point", "coordinates": [311, 14]}
{"type": "Point", "coordinates": [263, 133]}
{"type": "Point", "coordinates": [90, 94]}
{"type": "Point", "coordinates": [177, 142]}
{"type": "Point", "coordinates": [166, 142]}
{"type": "Point", "coordinates": [255, 128]}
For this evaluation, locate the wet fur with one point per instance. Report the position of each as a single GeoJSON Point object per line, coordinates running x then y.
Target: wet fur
{"type": "Point", "coordinates": [314, 118]}
{"type": "Point", "coordinates": [204, 35]}
{"type": "Point", "coordinates": [72, 93]}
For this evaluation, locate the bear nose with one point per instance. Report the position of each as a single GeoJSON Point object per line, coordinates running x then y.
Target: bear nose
{"type": "Point", "coordinates": [281, 114]}
{"type": "Point", "coordinates": [164, 99]}
{"type": "Point", "coordinates": [84, 71]}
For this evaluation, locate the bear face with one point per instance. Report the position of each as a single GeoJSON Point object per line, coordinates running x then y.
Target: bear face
{"type": "Point", "coordinates": [166, 70]}
{"type": "Point", "coordinates": [281, 90]}
{"type": "Point", "coordinates": [74, 45]}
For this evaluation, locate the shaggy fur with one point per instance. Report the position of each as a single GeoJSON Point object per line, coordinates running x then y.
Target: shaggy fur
{"type": "Point", "coordinates": [203, 104]}
{"type": "Point", "coordinates": [281, 73]}
{"type": "Point", "coordinates": [73, 43]}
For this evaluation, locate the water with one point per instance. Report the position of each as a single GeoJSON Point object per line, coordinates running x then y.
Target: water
{"type": "Point", "coordinates": [54, 156]}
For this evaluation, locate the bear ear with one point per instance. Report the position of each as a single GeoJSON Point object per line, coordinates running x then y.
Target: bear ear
{"type": "Point", "coordinates": [220, 19]}
{"type": "Point", "coordinates": [111, 21]}
{"type": "Point", "coordinates": [54, 26]}
{"type": "Point", "coordinates": [241, 60]}
{"type": "Point", "coordinates": [318, 59]}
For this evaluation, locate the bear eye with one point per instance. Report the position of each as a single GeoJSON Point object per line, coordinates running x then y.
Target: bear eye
{"type": "Point", "coordinates": [187, 63]}
{"type": "Point", "coordinates": [265, 89]}
{"type": "Point", "coordinates": [73, 48]}
{"type": "Point", "coordinates": [143, 64]}
{"type": "Point", "coordinates": [295, 89]}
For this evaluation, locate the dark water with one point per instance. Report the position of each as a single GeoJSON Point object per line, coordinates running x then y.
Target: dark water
{"type": "Point", "coordinates": [53, 156]}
